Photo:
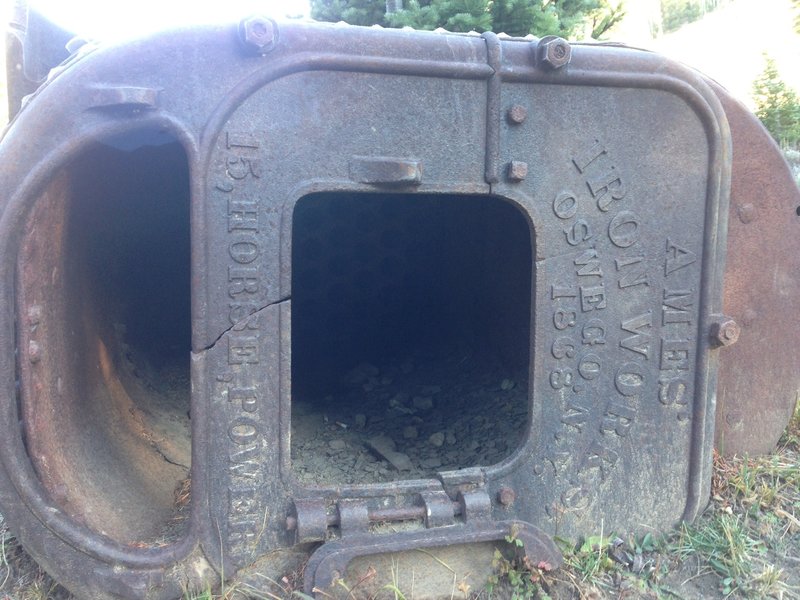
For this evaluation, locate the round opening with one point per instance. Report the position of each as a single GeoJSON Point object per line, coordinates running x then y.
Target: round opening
{"type": "Point", "coordinates": [104, 297]}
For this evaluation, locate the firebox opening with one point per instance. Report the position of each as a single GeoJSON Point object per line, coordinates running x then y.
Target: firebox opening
{"type": "Point", "coordinates": [411, 320]}
{"type": "Point", "coordinates": [116, 333]}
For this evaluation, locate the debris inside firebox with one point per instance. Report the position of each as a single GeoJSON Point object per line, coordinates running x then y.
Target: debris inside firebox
{"type": "Point", "coordinates": [408, 419]}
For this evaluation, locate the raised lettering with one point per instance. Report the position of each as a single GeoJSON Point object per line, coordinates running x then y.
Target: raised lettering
{"type": "Point", "coordinates": [589, 367]}
{"type": "Point", "coordinates": [639, 342]}
{"type": "Point", "coordinates": [599, 457]}
{"type": "Point", "coordinates": [563, 291]}
{"type": "Point", "coordinates": [243, 139]}
{"type": "Point", "coordinates": [244, 431]}
{"type": "Point", "coordinates": [242, 280]}
{"type": "Point", "coordinates": [618, 419]}
{"type": "Point", "coordinates": [563, 347]}
{"type": "Point", "coordinates": [561, 378]}
{"type": "Point", "coordinates": [580, 232]}
{"type": "Point", "coordinates": [238, 167]}
{"type": "Point", "coordinates": [243, 501]}
{"type": "Point", "coordinates": [242, 349]}
{"type": "Point", "coordinates": [676, 307]}
{"type": "Point", "coordinates": [675, 355]}
{"type": "Point", "coordinates": [630, 377]}
{"type": "Point", "coordinates": [242, 215]}
{"type": "Point", "coordinates": [623, 231]}
{"type": "Point", "coordinates": [589, 264]}
{"type": "Point", "coordinates": [633, 276]}
{"type": "Point", "coordinates": [606, 189]}
{"type": "Point", "coordinates": [594, 333]}
{"type": "Point", "coordinates": [583, 159]}
{"type": "Point", "coordinates": [245, 396]}
{"type": "Point", "coordinates": [576, 416]}
{"type": "Point", "coordinates": [244, 251]}
{"type": "Point", "coordinates": [677, 258]}
{"type": "Point", "coordinates": [564, 318]}
{"type": "Point", "coordinates": [565, 205]}
{"type": "Point", "coordinates": [672, 391]}
{"type": "Point", "coordinates": [593, 297]}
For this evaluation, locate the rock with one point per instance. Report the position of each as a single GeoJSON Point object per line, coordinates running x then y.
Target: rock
{"type": "Point", "coordinates": [360, 421]}
{"type": "Point", "coordinates": [384, 446]}
{"type": "Point", "coordinates": [430, 390]}
{"type": "Point", "coordinates": [450, 438]}
{"type": "Point", "coordinates": [507, 384]}
{"type": "Point", "coordinates": [437, 439]}
{"type": "Point", "coordinates": [361, 373]}
{"type": "Point", "coordinates": [337, 444]}
{"type": "Point", "coordinates": [410, 432]}
{"type": "Point", "coordinates": [431, 463]}
{"type": "Point", "coordinates": [422, 402]}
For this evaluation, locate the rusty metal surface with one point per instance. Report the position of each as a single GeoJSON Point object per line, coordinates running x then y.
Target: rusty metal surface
{"type": "Point", "coordinates": [622, 323]}
{"type": "Point", "coordinates": [759, 378]}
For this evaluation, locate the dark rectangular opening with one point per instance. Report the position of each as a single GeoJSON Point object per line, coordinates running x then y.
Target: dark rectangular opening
{"type": "Point", "coordinates": [411, 319]}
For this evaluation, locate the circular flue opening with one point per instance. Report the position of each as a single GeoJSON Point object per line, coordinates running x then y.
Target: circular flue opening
{"type": "Point", "coordinates": [105, 276]}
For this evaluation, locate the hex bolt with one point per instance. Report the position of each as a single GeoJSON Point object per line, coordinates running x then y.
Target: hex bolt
{"type": "Point", "coordinates": [506, 496]}
{"type": "Point", "coordinates": [517, 114]}
{"type": "Point", "coordinates": [258, 34]}
{"type": "Point", "coordinates": [554, 52]}
{"type": "Point", "coordinates": [725, 332]}
{"type": "Point", "coordinates": [517, 170]}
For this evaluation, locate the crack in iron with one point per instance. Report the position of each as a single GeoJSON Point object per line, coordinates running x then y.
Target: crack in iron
{"type": "Point", "coordinates": [164, 456]}
{"type": "Point", "coordinates": [241, 321]}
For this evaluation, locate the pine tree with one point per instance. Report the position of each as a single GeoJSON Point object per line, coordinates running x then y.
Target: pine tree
{"type": "Point", "coordinates": [515, 17]}
{"type": "Point", "coordinates": [777, 105]}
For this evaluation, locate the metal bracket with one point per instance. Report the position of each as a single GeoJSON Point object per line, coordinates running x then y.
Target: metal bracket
{"type": "Point", "coordinates": [329, 562]}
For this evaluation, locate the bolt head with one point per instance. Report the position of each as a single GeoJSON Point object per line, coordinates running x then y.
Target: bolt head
{"type": "Point", "coordinates": [258, 34]}
{"type": "Point", "coordinates": [517, 170]}
{"type": "Point", "coordinates": [506, 496]}
{"type": "Point", "coordinates": [554, 52]}
{"type": "Point", "coordinates": [726, 332]}
{"type": "Point", "coordinates": [517, 114]}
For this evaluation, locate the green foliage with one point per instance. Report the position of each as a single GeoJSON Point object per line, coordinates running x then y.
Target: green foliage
{"type": "Point", "coordinates": [796, 6]}
{"type": "Point", "coordinates": [728, 547]}
{"type": "Point", "coordinates": [675, 13]}
{"type": "Point", "coordinates": [566, 18]}
{"type": "Point", "coordinates": [777, 105]}
{"type": "Point", "coordinates": [355, 12]}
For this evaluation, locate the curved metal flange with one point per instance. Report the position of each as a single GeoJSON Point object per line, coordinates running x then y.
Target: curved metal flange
{"type": "Point", "coordinates": [330, 561]}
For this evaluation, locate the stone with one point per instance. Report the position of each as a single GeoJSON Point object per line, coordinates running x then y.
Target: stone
{"type": "Point", "coordinates": [385, 447]}
{"type": "Point", "coordinates": [410, 432]}
{"type": "Point", "coordinates": [437, 439]}
{"type": "Point", "coordinates": [422, 402]}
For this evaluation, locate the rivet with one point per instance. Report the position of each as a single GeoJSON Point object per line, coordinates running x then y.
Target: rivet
{"type": "Point", "coordinates": [517, 170]}
{"type": "Point", "coordinates": [747, 213]}
{"type": "Point", "coordinates": [517, 114]}
{"type": "Point", "coordinates": [34, 351]}
{"type": "Point", "coordinates": [506, 496]}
